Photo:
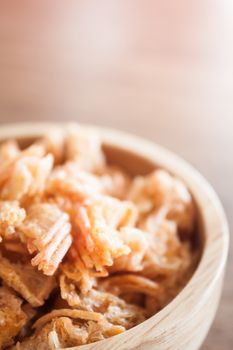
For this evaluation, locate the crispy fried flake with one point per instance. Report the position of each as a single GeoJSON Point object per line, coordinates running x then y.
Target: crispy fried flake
{"type": "Point", "coordinates": [166, 254]}
{"type": "Point", "coordinates": [98, 240]}
{"type": "Point", "coordinates": [11, 216]}
{"type": "Point", "coordinates": [10, 154]}
{"type": "Point", "coordinates": [12, 318]}
{"type": "Point", "coordinates": [138, 243]}
{"type": "Point", "coordinates": [54, 143]}
{"type": "Point", "coordinates": [80, 314]}
{"type": "Point", "coordinates": [84, 147]}
{"type": "Point", "coordinates": [27, 177]}
{"type": "Point", "coordinates": [130, 283]}
{"type": "Point", "coordinates": [32, 285]}
{"type": "Point", "coordinates": [76, 270]}
{"type": "Point", "coordinates": [161, 190]}
{"type": "Point", "coordinates": [115, 182]}
{"type": "Point", "coordinates": [123, 314]}
{"type": "Point", "coordinates": [71, 182]}
{"type": "Point", "coordinates": [46, 231]}
{"type": "Point", "coordinates": [116, 213]}
{"type": "Point", "coordinates": [9, 150]}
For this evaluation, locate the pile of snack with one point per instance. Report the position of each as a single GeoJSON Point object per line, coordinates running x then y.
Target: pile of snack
{"type": "Point", "coordinates": [86, 251]}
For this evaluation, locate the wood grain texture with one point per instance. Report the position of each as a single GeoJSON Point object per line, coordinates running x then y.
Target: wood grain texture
{"type": "Point", "coordinates": [158, 69]}
{"type": "Point", "coordinates": [183, 323]}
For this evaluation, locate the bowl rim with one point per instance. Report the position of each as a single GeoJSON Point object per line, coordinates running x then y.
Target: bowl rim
{"type": "Point", "coordinates": [215, 252]}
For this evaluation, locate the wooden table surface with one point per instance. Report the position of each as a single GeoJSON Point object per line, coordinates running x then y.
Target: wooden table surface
{"type": "Point", "coordinates": [159, 69]}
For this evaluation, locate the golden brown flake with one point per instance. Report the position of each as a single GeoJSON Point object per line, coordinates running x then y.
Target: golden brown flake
{"type": "Point", "coordinates": [31, 284]}
{"type": "Point", "coordinates": [12, 318]}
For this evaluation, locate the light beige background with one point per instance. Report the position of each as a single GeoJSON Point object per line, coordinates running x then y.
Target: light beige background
{"type": "Point", "coordinates": [159, 69]}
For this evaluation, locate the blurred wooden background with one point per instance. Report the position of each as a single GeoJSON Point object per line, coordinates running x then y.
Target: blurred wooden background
{"type": "Point", "coordinates": [160, 69]}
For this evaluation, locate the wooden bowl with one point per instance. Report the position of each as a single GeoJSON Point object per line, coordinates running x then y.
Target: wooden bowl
{"type": "Point", "coordinates": [184, 322]}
